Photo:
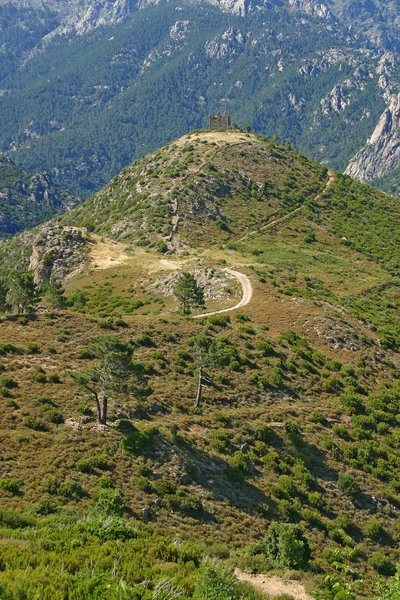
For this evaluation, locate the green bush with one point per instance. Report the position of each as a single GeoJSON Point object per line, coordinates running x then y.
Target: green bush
{"type": "Point", "coordinates": [381, 563]}
{"type": "Point", "coordinates": [34, 423]}
{"type": "Point", "coordinates": [110, 528]}
{"type": "Point", "coordinates": [88, 465]}
{"type": "Point", "coordinates": [8, 382]}
{"type": "Point", "coordinates": [240, 461]}
{"type": "Point", "coordinates": [374, 530]}
{"type": "Point", "coordinates": [109, 502]}
{"type": "Point", "coordinates": [55, 416]}
{"type": "Point", "coordinates": [216, 582]}
{"type": "Point", "coordinates": [139, 441]}
{"type": "Point", "coordinates": [348, 485]}
{"type": "Point", "coordinates": [125, 426]}
{"type": "Point", "coordinates": [10, 485]}
{"type": "Point", "coordinates": [219, 440]}
{"type": "Point", "coordinates": [285, 546]}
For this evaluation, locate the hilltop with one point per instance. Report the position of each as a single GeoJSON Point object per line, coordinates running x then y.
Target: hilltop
{"type": "Point", "coordinates": [305, 389]}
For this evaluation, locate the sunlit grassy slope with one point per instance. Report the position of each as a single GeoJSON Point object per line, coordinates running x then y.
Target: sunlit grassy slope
{"type": "Point", "coordinates": [309, 388]}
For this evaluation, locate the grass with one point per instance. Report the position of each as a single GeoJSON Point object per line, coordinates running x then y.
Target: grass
{"type": "Point", "coordinates": [310, 392]}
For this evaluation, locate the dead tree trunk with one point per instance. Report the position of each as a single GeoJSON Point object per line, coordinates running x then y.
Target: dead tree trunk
{"type": "Point", "coordinates": [104, 408]}
{"type": "Point", "coordinates": [199, 388]}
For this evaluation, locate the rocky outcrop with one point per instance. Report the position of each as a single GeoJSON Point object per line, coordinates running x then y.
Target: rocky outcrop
{"type": "Point", "coordinates": [382, 152]}
{"type": "Point", "coordinates": [311, 7]}
{"type": "Point", "coordinates": [57, 252]}
{"type": "Point", "coordinates": [26, 199]}
{"type": "Point", "coordinates": [229, 43]}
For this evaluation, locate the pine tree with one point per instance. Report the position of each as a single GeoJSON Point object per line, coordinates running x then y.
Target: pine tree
{"type": "Point", "coordinates": [22, 293]}
{"type": "Point", "coordinates": [189, 293]}
{"type": "Point", "coordinates": [55, 294]}
{"type": "Point", "coordinates": [111, 374]}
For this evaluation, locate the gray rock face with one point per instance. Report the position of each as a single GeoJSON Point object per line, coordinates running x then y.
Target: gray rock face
{"type": "Point", "coordinates": [57, 252]}
{"type": "Point", "coordinates": [381, 153]}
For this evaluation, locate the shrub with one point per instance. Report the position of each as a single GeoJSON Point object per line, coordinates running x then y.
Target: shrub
{"type": "Point", "coordinates": [374, 530]}
{"type": "Point", "coordinates": [109, 502]}
{"type": "Point", "coordinates": [184, 502]}
{"type": "Point", "coordinates": [110, 528]}
{"type": "Point", "coordinates": [88, 465]}
{"type": "Point", "coordinates": [216, 582]}
{"type": "Point", "coordinates": [55, 416]}
{"type": "Point", "coordinates": [348, 485]}
{"type": "Point", "coordinates": [14, 520]}
{"type": "Point", "coordinates": [54, 378]}
{"type": "Point", "coordinates": [139, 441]}
{"type": "Point", "coordinates": [285, 547]}
{"type": "Point", "coordinates": [381, 563]}
{"type": "Point", "coordinates": [70, 489]}
{"type": "Point", "coordinates": [219, 440]}
{"type": "Point", "coordinates": [8, 382]}
{"type": "Point", "coordinates": [317, 417]}
{"type": "Point", "coordinates": [264, 433]}
{"type": "Point", "coordinates": [240, 461]}
{"type": "Point", "coordinates": [219, 320]}
{"type": "Point", "coordinates": [164, 487]}
{"type": "Point", "coordinates": [10, 485]}
{"type": "Point", "coordinates": [144, 485]}
{"type": "Point", "coordinates": [34, 423]}
{"type": "Point", "coordinates": [125, 426]}
{"type": "Point", "coordinates": [32, 348]}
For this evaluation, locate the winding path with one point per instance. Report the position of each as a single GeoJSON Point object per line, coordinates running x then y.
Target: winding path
{"type": "Point", "coordinates": [247, 293]}
{"type": "Point", "coordinates": [331, 179]}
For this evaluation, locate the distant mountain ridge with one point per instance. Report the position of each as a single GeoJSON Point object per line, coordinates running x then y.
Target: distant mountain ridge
{"type": "Point", "coordinates": [120, 81]}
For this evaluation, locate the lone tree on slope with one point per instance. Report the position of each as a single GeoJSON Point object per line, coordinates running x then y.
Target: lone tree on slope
{"type": "Point", "coordinates": [189, 293]}
{"type": "Point", "coordinates": [112, 373]}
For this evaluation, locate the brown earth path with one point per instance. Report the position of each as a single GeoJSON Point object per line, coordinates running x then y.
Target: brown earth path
{"type": "Point", "coordinates": [275, 586]}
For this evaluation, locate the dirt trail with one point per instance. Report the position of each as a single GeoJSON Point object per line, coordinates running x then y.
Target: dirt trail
{"type": "Point", "coordinates": [288, 215]}
{"type": "Point", "coordinates": [107, 253]}
{"type": "Point", "coordinates": [247, 293]}
{"type": "Point", "coordinates": [275, 586]}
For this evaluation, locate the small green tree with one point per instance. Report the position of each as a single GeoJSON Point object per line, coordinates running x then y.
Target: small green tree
{"type": "Point", "coordinates": [206, 350]}
{"type": "Point", "coordinates": [216, 582]}
{"type": "Point", "coordinates": [3, 295]}
{"type": "Point", "coordinates": [54, 294]}
{"type": "Point", "coordinates": [189, 293]}
{"type": "Point", "coordinates": [22, 293]}
{"type": "Point", "coordinates": [348, 485]}
{"type": "Point", "coordinates": [285, 546]}
{"type": "Point", "coordinates": [112, 373]}
{"type": "Point", "coordinates": [342, 585]}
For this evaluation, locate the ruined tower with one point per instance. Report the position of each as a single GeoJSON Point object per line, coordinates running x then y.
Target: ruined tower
{"type": "Point", "coordinates": [220, 121]}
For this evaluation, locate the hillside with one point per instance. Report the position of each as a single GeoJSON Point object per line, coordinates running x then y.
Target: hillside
{"type": "Point", "coordinates": [27, 199]}
{"type": "Point", "coordinates": [298, 422]}
{"type": "Point", "coordinates": [325, 76]}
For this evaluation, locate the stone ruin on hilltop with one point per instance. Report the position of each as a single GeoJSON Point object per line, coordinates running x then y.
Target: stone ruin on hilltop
{"type": "Point", "coordinates": [220, 121]}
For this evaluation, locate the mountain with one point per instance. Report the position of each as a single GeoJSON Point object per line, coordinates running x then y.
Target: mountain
{"type": "Point", "coordinates": [289, 460]}
{"type": "Point", "coordinates": [26, 199]}
{"type": "Point", "coordinates": [323, 75]}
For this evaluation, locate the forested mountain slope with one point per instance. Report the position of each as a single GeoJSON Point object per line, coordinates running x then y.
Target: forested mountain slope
{"type": "Point", "coordinates": [83, 104]}
{"type": "Point", "coordinates": [290, 458]}
{"type": "Point", "coordinates": [26, 199]}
